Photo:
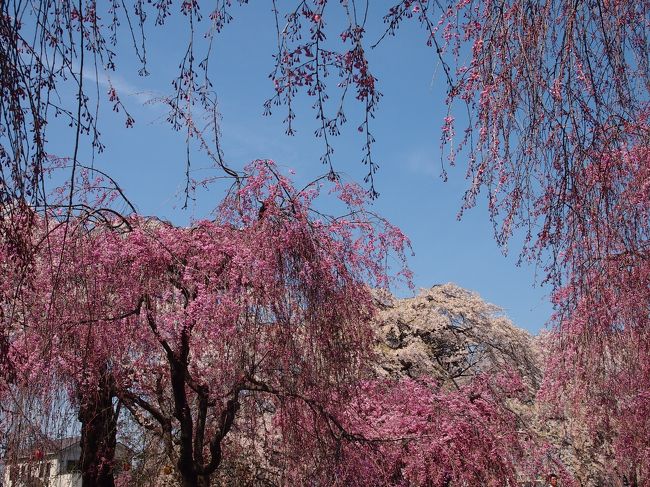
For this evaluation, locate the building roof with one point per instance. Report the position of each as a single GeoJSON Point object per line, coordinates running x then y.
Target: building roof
{"type": "Point", "coordinates": [63, 443]}
{"type": "Point", "coordinates": [43, 447]}
{"type": "Point", "coordinates": [50, 447]}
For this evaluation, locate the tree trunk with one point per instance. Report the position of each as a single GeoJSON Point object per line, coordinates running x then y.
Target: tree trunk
{"type": "Point", "coordinates": [98, 436]}
{"type": "Point", "coordinates": [188, 475]}
{"type": "Point", "coordinates": [203, 481]}
{"type": "Point", "coordinates": [192, 479]}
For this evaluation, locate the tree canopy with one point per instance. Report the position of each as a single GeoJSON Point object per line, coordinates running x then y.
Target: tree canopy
{"type": "Point", "coordinates": [550, 104]}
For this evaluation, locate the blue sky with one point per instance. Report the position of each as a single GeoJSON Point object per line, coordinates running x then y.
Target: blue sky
{"type": "Point", "coordinates": [148, 159]}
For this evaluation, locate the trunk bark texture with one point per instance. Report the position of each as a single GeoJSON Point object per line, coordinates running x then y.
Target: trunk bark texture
{"type": "Point", "coordinates": [98, 436]}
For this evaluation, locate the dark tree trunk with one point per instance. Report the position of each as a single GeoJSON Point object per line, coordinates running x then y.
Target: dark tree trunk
{"type": "Point", "coordinates": [98, 435]}
{"type": "Point", "coordinates": [186, 461]}
{"type": "Point", "coordinates": [192, 479]}
{"type": "Point", "coordinates": [188, 479]}
{"type": "Point", "coordinates": [192, 467]}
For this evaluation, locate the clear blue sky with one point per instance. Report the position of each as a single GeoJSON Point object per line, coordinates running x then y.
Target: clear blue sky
{"type": "Point", "coordinates": [148, 160]}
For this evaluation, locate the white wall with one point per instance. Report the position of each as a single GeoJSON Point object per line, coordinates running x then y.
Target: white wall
{"type": "Point", "coordinates": [59, 475]}
{"type": "Point", "coordinates": [33, 471]}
